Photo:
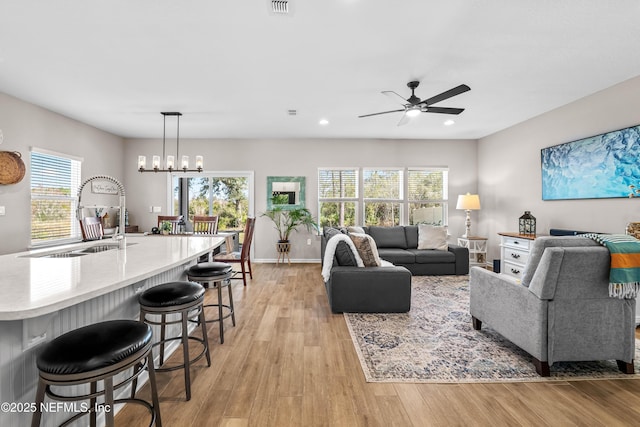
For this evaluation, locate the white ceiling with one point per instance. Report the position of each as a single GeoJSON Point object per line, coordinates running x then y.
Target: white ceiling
{"type": "Point", "coordinates": [233, 68]}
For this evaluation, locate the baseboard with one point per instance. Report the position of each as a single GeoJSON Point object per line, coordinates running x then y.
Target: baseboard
{"type": "Point", "coordinates": [293, 261]}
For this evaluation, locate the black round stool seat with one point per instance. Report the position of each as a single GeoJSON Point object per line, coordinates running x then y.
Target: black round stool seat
{"type": "Point", "coordinates": [115, 353]}
{"type": "Point", "coordinates": [209, 269]}
{"type": "Point", "coordinates": [171, 294]}
{"type": "Point", "coordinates": [218, 275]}
{"type": "Point", "coordinates": [94, 347]}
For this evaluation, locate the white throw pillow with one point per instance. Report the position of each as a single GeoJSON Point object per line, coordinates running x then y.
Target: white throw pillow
{"type": "Point", "coordinates": [432, 237]}
{"type": "Point", "coordinates": [355, 229]}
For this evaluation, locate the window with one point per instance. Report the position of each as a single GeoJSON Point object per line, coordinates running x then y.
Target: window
{"type": "Point", "coordinates": [427, 195]}
{"type": "Point", "coordinates": [226, 195]}
{"type": "Point", "coordinates": [382, 196]}
{"type": "Point", "coordinates": [55, 179]}
{"type": "Point", "coordinates": [337, 197]}
{"type": "Point", "coordinates": [389, 196]}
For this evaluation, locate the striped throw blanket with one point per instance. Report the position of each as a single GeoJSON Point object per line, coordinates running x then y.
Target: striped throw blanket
{"type": "Point", "coordinates": [624, 277]}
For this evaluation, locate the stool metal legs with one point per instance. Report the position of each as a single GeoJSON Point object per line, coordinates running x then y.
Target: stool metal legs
{"type": "Point", "coordinates": [219, 282]}
{"type": "Point", "coordinates": [186, 312]}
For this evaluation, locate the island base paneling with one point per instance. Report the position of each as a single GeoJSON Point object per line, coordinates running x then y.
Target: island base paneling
{"type": "Point", "coordinates": [18, 372]}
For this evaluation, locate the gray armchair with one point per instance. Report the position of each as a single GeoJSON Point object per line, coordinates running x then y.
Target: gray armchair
{"type": "Point", "coordinates": [562, 310]}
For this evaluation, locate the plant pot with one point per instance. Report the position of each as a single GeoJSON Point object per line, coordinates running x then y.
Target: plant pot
{"type": "Point", "coordinates": [283, 246]}
{"type": "Point", "coordinates": [165, 232]}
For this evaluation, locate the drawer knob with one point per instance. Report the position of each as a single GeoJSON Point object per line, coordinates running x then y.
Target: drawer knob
{"type": "Point", "coordinates": [514, 271]}
{"type": "Point", "coordinates": [515, 242]}
{"type": "Point", "coordinates": [516, 256]}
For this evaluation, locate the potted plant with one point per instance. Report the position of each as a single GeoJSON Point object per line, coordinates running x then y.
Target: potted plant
{"type": "Point", "coordinates": [287, 220]}
{"type": "Point", "coordinates": [165, 227]}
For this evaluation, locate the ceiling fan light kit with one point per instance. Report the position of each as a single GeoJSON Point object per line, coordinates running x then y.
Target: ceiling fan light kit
{"type": "Point", "coordinates": [413, 105]}
{"type": "Point", "coordinates": [170, 160]}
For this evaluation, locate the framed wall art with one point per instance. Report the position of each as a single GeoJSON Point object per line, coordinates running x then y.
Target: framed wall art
{"type": "Point", "coordinates": [601, 166]}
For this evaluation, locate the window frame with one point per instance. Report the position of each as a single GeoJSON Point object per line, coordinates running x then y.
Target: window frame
{"type": "Point", "coordinates": [445, 192]}
{"type": "Point", "coordinates": [75, 177]}
{"type": "Point", "coordinates": [404, 195]}
{"type": "Point", "coordinates": [249, 175]}
{"type": "Point", "coordinates": [355, 199]}
{"type": "Point", "coordinates": [399, 201]}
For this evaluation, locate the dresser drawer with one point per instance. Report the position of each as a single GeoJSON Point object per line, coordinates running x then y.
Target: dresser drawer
{"type": "Point", "coordinates": [514, 242]}
{"type": "Point", "coordinates": [516, 256]}
{"type": "Point", "coordinates": [513, 270]}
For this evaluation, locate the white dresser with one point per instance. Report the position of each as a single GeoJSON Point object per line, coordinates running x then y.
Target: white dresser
{"type": "Point", "coordinates": [514, 253]}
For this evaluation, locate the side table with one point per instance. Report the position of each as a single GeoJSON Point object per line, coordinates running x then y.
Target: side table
{"type": "Point", "coordinates": [477, 249]}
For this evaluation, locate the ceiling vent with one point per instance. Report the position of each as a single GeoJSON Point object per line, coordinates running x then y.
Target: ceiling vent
{"type": "Point", "coordinates": [292, 112]}
{"type": "Point", "coordinates": [280, 7]}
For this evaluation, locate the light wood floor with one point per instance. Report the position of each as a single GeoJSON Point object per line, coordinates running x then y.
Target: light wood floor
{"type": "Point", "coordinates": [290, 362]}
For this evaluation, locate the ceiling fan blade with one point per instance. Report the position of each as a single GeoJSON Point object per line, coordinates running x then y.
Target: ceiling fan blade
{"type": "Point", "coordinates": [384, 112]}
{"type": "Point", "coordinates": [446, 95]}
{"type": "Point", "coordinates": [404, 120]}
{"type": "Point", "coordinates": [394, 96]}
{"type": "Point", "coordinates": [443, 110]}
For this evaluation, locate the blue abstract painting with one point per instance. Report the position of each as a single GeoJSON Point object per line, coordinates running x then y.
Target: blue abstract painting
{"type": "Point", "coordinates": [601, 166]}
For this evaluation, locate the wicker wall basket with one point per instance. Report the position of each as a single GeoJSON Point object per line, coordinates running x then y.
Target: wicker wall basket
{"type": "Point", "coordinates": [12, 167]}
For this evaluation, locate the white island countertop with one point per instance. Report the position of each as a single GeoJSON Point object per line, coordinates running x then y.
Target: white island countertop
{"type": "Point", "coordinates": [33, 285]}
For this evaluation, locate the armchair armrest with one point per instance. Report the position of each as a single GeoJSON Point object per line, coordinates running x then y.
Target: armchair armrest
{"type": "Point", "coordinates": [509, 308]}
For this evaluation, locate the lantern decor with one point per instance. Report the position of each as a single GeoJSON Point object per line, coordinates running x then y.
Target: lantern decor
{"type": "Point", "coordinates": [527, 224]}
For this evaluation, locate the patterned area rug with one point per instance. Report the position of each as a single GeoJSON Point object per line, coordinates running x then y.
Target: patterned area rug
{"type": "Point", "coordinates": [435, 342]}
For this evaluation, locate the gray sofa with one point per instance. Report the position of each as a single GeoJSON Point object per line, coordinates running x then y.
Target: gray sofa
{"type": "Point", "coordinates": [562, 310]}
{"type": "Point", "coordinates": [386, 289]}
{"type": "Point", "coordinates": [399, 245]}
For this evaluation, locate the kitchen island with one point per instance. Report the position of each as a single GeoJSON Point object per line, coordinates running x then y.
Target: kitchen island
{"type": "Point", "coordinates": [47, 292]}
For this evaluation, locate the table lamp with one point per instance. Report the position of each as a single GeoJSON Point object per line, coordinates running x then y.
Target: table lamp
{"type": "Point", "coordinates": [468, 202]}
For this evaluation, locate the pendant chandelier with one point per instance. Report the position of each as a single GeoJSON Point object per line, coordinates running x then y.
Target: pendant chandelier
{"type": "Point", "coordinates": [170, 160]}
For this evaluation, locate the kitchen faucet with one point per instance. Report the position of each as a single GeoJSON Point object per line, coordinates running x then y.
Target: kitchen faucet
{"type": "Point", "coordinates": [119, 235]}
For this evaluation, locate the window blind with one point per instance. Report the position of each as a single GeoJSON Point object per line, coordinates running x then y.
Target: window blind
{"type": "Point", "coordinates": [54, 183]}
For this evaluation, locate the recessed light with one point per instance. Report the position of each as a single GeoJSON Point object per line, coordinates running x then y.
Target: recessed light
{"type": "Point", "coordinates": [449, 122]}
{"type": "Point", "coordinates": [323, 122]}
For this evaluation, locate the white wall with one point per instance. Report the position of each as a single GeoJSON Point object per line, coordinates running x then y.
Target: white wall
{"type": "Point", "coordinates": [510, 175]}
{"type": "Point", "coordinates": [24, 126]}
{"type": "Point", "coordinates": [299, 157]}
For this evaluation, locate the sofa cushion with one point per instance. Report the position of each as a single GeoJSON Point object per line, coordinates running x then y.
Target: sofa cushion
{"type": "Point", "coordinates": [397, 256]}
{"type": "Point", "coordinates": [432, 256]}
{"type": "Point", "coordinates": [367, 250]}
{"type": "Point", "coordinates": [343, 255]}
{"type": "Point", "coordinates": [411, 234]}
{"type": "Point", "coordinates": [388, 237]}
{"type": "Point", "coordinates": [432, 237]}
{"type": "Point", "coordinates": [543, 242]}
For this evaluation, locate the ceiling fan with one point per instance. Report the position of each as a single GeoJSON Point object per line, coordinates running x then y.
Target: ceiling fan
{"type": "Point", "coordinates": [413, 105]}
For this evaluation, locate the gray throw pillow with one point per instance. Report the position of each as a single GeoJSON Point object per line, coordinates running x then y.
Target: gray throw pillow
{"type": "Point", "coordinates": [343, 255]}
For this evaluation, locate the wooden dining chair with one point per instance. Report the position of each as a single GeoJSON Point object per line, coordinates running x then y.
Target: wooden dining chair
{"type": "Point", "coordinates": [91, 228]}
{"type": "Point", "coordinates": [244, 256]}
{"type": "Point", "coordinates": [173, 219]}
{"type": "Point", "coordinates": [205, 224]}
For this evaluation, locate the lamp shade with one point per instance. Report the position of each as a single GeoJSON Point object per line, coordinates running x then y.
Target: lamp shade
{"type": "Point", "coordinates": [468, 202]}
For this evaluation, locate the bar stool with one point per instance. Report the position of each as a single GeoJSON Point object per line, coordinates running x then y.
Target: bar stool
{"type": "Point", "coordinates": [96, 353]}
{"type": "Point", "coordinates": [218, 275]}
{"type": "Point", "coordinates": [184, 299]}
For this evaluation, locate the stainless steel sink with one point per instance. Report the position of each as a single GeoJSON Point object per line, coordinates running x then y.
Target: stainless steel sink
{"type": "Point", "coordinates": [99, 248]}
{"type": "Point", "coordinates": [77, 252]}
{"type": "Point", "coordinates": [62, 255]}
